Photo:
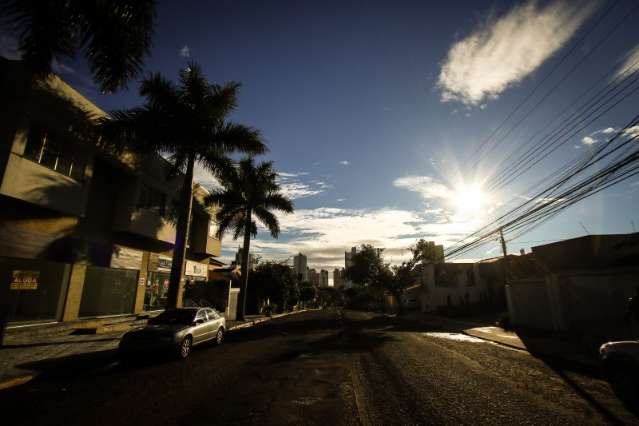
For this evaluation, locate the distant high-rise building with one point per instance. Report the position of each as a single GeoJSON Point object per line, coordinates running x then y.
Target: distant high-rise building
{"type": "Point", "coordinates": [314, 277]}
{"type": "Point", "coordinates": [300, 267]}
{"type": "Point", "coordinates": [338, 277]}
{"type": "Point", "coordinates": [323, 278]}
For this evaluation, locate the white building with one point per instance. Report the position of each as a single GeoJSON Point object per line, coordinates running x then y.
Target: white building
{"type": "Point", "coordinates": [300, 267]}
{"type": "Point", "coordinates": [323, 278]}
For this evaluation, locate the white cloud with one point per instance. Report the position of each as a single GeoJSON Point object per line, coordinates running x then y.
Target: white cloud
{"type": "Point", "coordinates": [295, 190]}
{"type": "Point", "coordinates": [323, 234]}
{"type": "Point", "coordinates": [426, 186]}
{"type": "Point", "coordinates": [607, 131]}
{"type": "Point", "coordinates": [185, 52]}
{"type": "Point", "coordinates": [294, 187]}
{"type": "Point", "coordinates": [505, 50]}
{"type": "Point", "coordinates": [588, 140]}
{"type": "Point", "coordinates": [633, 132]}
{"type": "Point", "coordinates": [345, 162]}
{"type": "Point", "coordinates": [630, 65]}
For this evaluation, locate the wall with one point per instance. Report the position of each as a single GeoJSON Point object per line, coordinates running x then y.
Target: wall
{"type": "Point", "coordinates": [529, 304]}
{"type": "Point", "coordinates": [592, 302]}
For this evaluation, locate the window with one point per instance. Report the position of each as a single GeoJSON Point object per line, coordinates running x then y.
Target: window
{"type": "Point", "coordinates": [153, 200]}
{"type": "Point", "coordinates": [44, 149]}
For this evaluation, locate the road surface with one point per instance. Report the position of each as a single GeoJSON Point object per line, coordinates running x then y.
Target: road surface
{"type": "Point", "coordinates": [322, 367]}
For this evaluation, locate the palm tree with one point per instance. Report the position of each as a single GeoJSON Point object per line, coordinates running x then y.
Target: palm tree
{"type": "Point", "coordinates": [248, 191]}
{"type": "Point", "coordinates": [114, 35]}
{"type": "Point", "coordinates": [187, 124]}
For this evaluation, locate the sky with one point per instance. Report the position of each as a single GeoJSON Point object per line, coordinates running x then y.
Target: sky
{"type": "Point", "coordinates": [378, 114]}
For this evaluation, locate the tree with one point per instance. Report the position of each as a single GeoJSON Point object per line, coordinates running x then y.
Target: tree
{"type": "Point", "coordinates": [308, 292]}
{"type": "Point", "coordinates": [187, 124]}
{"type": "Point", "coordinates": [114, 36]}
{"type": "Point", "coordinates": [365, 265]}
{"type": "Point", "coordinates": [248, 191]}
{"type": "Point", "coordinates": [425, 252]}
{"type": "Point", "coordinates": [274, 282]}
{"type": "Point", "coordinates": [395, 279]}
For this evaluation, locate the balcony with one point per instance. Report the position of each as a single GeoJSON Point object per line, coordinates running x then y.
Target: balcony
{"type": "Point", "coordinates": [34, 183]}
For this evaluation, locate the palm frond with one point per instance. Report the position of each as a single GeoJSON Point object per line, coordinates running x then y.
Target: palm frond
{"type": "Point", "coordinates": [269, 220]}
{"type": "Point", "coordinates": [116, 37]}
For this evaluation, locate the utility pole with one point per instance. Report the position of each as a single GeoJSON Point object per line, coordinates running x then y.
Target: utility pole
{"type": "Point", "coordinates": [505, 254]}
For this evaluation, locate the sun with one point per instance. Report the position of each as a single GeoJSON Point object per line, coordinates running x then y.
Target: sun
{"type": "Point", "coordinates": [469, 200]}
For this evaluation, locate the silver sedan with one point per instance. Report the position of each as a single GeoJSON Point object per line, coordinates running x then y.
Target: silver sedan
{"type": "Point", "coordinates": [176, 330]}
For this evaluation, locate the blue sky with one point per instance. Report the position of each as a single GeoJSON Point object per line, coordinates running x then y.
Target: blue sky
{"type": "Point", "coordinates": [373, 111]}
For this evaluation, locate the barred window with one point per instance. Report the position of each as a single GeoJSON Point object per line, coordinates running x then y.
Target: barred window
{"type": "Point", "coordinates": [45, 149]}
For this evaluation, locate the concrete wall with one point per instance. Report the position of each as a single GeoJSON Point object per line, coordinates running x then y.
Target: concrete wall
{"type": "Point", "coordinates": [451, 284]}
{"type": "Point", "coordinates": [593, 302]}
{"type": "Point", "coordinates": [529, 304]}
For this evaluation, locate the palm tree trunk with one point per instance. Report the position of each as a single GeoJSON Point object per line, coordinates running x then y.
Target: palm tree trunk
{"type": "Point", "coordinates": [174, 296]}
{"type": "Point", "coordinates": [241, 309]}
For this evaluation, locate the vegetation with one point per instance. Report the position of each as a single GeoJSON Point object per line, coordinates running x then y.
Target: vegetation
{"type": "Point", "coordinates": [365, 267]}
{"type": "Point", "coordinates": [114, 36]}
{"type": "Point", "coordinates": [249, 191]}
{"type": "Point", "coordinates": [273, 284]}
{"type": "Point", "coordinates": [187, 123]}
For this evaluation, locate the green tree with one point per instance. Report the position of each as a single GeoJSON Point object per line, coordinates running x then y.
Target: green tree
{"type": "Point", "coordinates": [187, 123]}
{"type": "Point", "coordinates": [113, 35]}
{"type": "Point", "coordinates": [249, 192]}
{"type": "Point", "coordinates": [308, 292]}
{"type": "Point", "coordinates": [395, 279]}
{"type": "Point", "coordinates": [365, 265]}
{"type": "Point", "coordinates": [425, 252]}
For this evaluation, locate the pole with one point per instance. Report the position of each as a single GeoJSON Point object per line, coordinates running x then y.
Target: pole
{"type": "Point", "coordinates": [505, 254]}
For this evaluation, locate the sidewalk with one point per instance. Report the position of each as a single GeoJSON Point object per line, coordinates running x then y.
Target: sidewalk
{"type": "Point", "coordinates": [565, 348]}
{"type": "Point", "coordinates": [26, 353]}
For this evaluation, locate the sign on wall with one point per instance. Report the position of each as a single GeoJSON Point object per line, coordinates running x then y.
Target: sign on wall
{"type": "Point", "coordinates": [126, 258]}
{"type": "Point", "coordinates": [24, 280]}
{"type": "Point", "coordinates": [195, 269]}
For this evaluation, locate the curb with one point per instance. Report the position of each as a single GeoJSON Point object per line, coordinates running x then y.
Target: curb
{"type": "Point", "coordinates": [265, 319]}
{"type": "Point", "coordinates": [17, 381]}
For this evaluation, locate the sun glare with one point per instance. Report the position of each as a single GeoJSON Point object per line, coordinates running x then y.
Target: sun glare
{"type": "Point", "coordinates": [469, 200]}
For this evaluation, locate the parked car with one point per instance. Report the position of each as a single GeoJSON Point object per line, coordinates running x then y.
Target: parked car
{"type": "Point", "coordinates": [620, 361]}
{"type": "Point", "coordinates": [175, 330]}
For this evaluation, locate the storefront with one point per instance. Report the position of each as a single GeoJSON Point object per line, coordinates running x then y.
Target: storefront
{"type": "Point", "coordinates": [112, 291]}
{"type": "Point", "coordinates": [33, 289]}
{"type": "Point", "coordinates": [157, 282]}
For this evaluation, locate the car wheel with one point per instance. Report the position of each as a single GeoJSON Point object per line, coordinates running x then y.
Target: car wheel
{"type": "Point", "coordinates": [219, 337]}
{"type": "Point", "coordinates": [185, 347]}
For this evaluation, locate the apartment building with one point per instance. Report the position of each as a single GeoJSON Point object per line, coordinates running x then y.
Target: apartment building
{"type": "Point", "coordinates": [84, 232]}
{"type": "Point", "coordinates": [300, 267]}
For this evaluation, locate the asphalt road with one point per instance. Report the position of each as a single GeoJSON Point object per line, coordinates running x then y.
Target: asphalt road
{"type": "Point", "coordinates": [322, 367]}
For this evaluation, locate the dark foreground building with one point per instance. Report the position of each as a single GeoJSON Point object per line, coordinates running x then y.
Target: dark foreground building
{"type": "Point", "coordinates": [83, 232]}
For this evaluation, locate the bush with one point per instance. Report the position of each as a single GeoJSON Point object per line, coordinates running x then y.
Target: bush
{"type": "Point", "coordinates": [269, 309]}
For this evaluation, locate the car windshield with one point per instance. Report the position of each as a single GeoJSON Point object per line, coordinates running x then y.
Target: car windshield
{"type": "Point", "coordinates": [179, 316]}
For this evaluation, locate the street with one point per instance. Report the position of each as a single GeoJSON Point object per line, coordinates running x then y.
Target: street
{"type": "Point", "coordinates": [320, 367]}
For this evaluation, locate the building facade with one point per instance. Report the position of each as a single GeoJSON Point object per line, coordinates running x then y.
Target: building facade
{"type": "Point", "coordinates": [323, 282]}
{"type": "Point", "coordinates": [91, 231]}
{"type": "Point", "coordinates": [300, 267]}
{"type": "Point", "coordinates": [314, 277]}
